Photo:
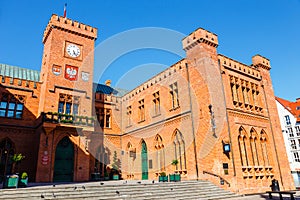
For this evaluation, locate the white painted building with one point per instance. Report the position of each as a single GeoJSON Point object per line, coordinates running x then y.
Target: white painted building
{"type": "Point", "coordinates": [289, 114]}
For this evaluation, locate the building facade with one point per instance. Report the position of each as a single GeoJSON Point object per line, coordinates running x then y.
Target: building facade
{"type": "Point", "coordinates": [216, 116]}
{"type": "Point", "coordinates": [289, 114]}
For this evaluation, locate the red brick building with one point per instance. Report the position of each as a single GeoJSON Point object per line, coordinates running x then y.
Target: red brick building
{"type": "Point", "coordinates": [216, 116]}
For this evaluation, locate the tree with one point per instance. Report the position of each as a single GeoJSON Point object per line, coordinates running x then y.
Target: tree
{"type": "Point", "coordinates": [115, 161]}
{"type": "Point", "coordinates": [174, 163]}
{"type": "Point", "coordinates": [16, 159]}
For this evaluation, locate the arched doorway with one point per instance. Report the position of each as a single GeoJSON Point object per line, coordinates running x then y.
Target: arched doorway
{"type": "Point", "coordinates": [7, 151]}
{"type": "Point", "coordinates": [144, 158]}
{"type": "Point", "coordinates": [64, 161]}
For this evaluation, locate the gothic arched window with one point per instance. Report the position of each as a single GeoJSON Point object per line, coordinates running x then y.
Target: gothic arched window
{"type": "Point", "coordinates": [179, 149]}
{"type": "Point", "coordinates": [242, 139]}
{"type": "Point", "coordinates": [160, 153]}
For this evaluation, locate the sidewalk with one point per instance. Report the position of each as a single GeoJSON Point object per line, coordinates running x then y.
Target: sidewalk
{"type": "Point", "coordinates": [265, 196]}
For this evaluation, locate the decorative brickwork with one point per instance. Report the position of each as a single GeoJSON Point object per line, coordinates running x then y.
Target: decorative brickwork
{"type": "Point", "coordinates": [179, 121]}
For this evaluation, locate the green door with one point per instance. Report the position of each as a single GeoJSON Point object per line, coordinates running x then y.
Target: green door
{"type": "Point", "coordinates": [64, 161]}
{"type": "Point", "coordinates": [144, 156]}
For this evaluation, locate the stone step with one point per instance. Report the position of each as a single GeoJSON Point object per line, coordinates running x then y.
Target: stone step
{"type": "Point", "coordinates": [105, 189]}
{"type": "Point", "coordinates": [126, 191]}
{"type": "Point", "coordinates": [130, 190]}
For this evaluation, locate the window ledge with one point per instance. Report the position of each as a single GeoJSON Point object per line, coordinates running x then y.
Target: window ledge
{"type": "Point", "coordinates": [157, 115]}
{"type": "Point", "coordinates": [141, 121]}
{"type": "Point", "coordinates": [175, 108]}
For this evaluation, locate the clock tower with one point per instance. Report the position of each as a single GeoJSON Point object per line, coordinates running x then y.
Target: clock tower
{"type": "Point", "coordinates": [66, 99]}
{"type": "Point", "coordinates": [67, 65]}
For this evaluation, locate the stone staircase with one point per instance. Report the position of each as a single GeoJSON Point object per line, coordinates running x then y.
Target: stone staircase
{"type": "Point", "coordinates": [121, 190]}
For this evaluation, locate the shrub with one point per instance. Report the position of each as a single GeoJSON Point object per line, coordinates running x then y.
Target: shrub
{"type": "Point", "coordinates": [24, 175]}
{"type": "Point", "coordinates": [162, 174]}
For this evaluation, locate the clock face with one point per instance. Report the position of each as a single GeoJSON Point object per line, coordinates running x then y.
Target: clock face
{"type": "Point", "coordinates": [73, 50]}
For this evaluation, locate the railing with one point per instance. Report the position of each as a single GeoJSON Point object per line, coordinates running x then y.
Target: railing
{"type": "Point", "coordinates": [54, 117]}
{"type": "Point", "coordinates": [216, 175]}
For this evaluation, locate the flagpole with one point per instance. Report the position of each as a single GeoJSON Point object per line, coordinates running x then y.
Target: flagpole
{"type": "Point", "coordinates": [65, 10]}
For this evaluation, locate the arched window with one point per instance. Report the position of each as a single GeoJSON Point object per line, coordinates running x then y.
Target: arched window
{"type": "Point", "coordinates": [253, 145]}
{"type": "Point", "coordinates": [7, 151]}
{"type": "Point", "coordinates": [242, 139]}
{"type": "Point", "coordinates": [101, 160]}
{"type": "Point", "coordinates": [179, 149]}
{"type": "Point", "coordinates": [160, 153]}
{"type": "Point", "coordinates": [264, 148]}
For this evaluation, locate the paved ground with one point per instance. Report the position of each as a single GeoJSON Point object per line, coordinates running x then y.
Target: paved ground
{"type": "Point", "coordinates": [265, 196]}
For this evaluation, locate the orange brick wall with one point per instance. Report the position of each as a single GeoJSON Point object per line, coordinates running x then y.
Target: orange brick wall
{"type": "Point", "coordinates": [205, 99]}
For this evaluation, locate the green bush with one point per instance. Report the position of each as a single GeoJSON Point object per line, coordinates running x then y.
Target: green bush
{"type": "Point", "coordinates": [162, 174]}
{"type": "Point", "coordinates": [24, 175]}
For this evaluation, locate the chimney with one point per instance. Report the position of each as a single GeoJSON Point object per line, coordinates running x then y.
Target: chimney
{"type": "Point", "coordinates": [108, 82]}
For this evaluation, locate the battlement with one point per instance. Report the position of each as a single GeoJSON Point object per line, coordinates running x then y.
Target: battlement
{"type": "Point", "coordinates": [175, 68]}
{"type": "Point", "coordinates": [239, 67]}
{"type": "Point", "coordinates": [260, 61]}
{"type": "Point", "coordinates": [69, 25]}
{"type": "Point", "coordinates": [19, 84]}
{"type": "Point", "coordinates": [200, 36]}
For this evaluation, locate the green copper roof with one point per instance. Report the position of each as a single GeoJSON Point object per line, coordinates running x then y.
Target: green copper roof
{"type": "Point", "coordinates": [19, 73]}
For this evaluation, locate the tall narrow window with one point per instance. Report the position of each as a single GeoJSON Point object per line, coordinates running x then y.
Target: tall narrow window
{"type": "Point", "coordinates": [254, 100]}
{"type": "Point", "coordinates": [293, 144]}
{"type": "Point", "coordinates": [108, 118]}
{"type": "Point", "coordinates": [253, 141]}
{"type": "Point", "coordinates": [129, 115]}
{"type": "Point", "coordinates": [296, 156]}
{"type": "Point", "coordinates": [100, 116]}
{"type": "Point", "coordinates": [61, 107]}
{"type": "Point", "coordinates": [68, 108]}
{"type": "Point", "coordinates": [75, 109]}
{"type": "Point", "coordinates": [104, 117]}
{"type": "Point", "coordinates": [287, 120]}
{"type": "Point", "coordinates": [68, 104]}
{"type": "Point", "coordinates": [174, 95]}
{"type": "Point", "coordinates": [234, 93]}
{"type": "Point", "coordinates": [259, 100]}
{"type": "Point", "coordinates": [297, 130]}
{"type": "Point", "coordinates": [160, 153]}
{"type": "Point", "coordinates": [156, 103]}
{"type": "Point", "coordinates": [242, 147]}
{"type": "Point", "coordinates": [141, 110]}
{"type": "Point", "coordinates": [264, 148]}
{"type": "Point", "coordinates": [290, 131]}
{"type": "Point", "coordinates": [179, 151]}
{"type": "Point", "coordinates": [239, 93]}
{"type": "Point", "coordinates": [245, 95]}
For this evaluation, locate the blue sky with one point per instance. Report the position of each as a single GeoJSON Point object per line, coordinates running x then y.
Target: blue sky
{"type": "Point", "coordinates": [245, 28]}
